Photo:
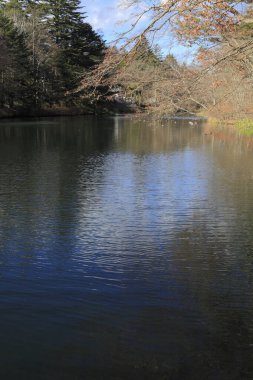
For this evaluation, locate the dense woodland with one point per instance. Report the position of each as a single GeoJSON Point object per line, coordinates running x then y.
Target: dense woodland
{"type": "Point", "coordinates": [45, 48]}
{"type": "Point", "coordinates": [51, 57]}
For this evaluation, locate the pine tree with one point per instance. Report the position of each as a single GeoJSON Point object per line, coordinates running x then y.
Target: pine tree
{"type": "Point", "coordinates": [80, 47]}
{"type": "Point", "coordinates": [15, 76]}
{"type": "Point", "coordinates": [88, 45]}
{"type": "Point", "coordinates": [170, 62]}
{"type": "Point", "coordinates": [28, 17]}
{"type": "Point", "coordinates": [144, 52]}
{"type": "Point", "coordinates": [45, 48]}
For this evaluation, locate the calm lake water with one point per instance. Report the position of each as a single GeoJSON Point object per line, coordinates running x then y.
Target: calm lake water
{"type": "Point", "coordinates": [126, 251]}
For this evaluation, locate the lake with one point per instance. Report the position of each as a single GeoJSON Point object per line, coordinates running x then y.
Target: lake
{"type": "Point", "coordinates": [126, 250]}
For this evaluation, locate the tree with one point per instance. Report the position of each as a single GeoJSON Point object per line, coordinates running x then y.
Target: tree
{"type": "Point", "coordinates": [80, 47]}
{"type": "Point", "coordinates": [45, 77]}
{"type": "Point", "coordinates": [189, 20]}
{"type": "Point", "coordinates": [15, 65]}
{"type": "Point", "coordinates": [223, 30]}
{"type": "Point", "coordinates": [144, 52]}
{"type": "Point", "coordinates": [170, 62]}
{"type": "Point", "coordinates": [28, 17]}
{"type": "Point", "coordinates": [89, 45]}
{"type": "Point", "coordinates": [59, 44]}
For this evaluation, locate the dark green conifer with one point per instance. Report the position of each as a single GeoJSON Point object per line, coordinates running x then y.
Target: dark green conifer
{"type": "Point", "coordinates": [16, 73]}
{"type": "Point", "coordinates": [75, 37]}
{"type": "Point", "coordinates": [144, 52]}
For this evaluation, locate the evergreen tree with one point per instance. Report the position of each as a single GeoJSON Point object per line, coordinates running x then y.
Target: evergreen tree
{"type": "Point", "coordinates": [70, 32]}
{"type": "Point", "coordinates": [80, 47]}
{"type": "Point", "coordinates": [88, 45]}
{"type": "Point", "coordinates": [144, 52]}
{"type": "Point", "coordinates": [46, 87]}
{"type": "Point", "coordinates": [15, 76]}
{"type": "Point", "coordinates": [170, 62]}
{"type": "Point", "coordinates": [45, 48]}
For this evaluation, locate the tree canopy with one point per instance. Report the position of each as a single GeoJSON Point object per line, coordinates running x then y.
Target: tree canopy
{"type": "Point", "coordinates": [46, 46]}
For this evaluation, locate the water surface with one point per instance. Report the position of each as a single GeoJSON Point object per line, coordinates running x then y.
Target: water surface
{"type": "Point", "coordinates": [126, 251]}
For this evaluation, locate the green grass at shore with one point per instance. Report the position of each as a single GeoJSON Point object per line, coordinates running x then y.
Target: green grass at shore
{"type": "Point", "coordinates": [245, 126]}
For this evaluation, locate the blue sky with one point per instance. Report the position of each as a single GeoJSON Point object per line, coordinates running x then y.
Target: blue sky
{"type": "Point", "coordinates": [104, 15]}
{"type": "Point", "coordinates": [108, 17]}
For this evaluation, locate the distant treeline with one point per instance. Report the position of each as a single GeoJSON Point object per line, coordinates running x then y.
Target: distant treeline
{"type": "Point", "coordinates": [45, 49]}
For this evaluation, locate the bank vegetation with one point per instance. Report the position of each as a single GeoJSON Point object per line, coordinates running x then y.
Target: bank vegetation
{"type": "Point", "coordinates": [52, 59]}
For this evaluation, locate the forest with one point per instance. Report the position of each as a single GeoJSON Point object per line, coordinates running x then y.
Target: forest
{"type": "Point", "coordinates": [50, 57]}
{"type": "Point", "coordinates": [45, 48]}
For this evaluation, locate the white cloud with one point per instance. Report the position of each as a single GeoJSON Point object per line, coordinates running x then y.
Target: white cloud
{"type": "Point", "coordinates": [112, 17]}
{"type": "Point", "coordinates": [106, 16]}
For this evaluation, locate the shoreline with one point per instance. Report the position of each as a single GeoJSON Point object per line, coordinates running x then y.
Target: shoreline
{"type": "Point", "coordinates": [8, 113]}
{"type": "Point", "coordinates": [101, 109]}
{"type": "Point", "coordinates": [242, 125]}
